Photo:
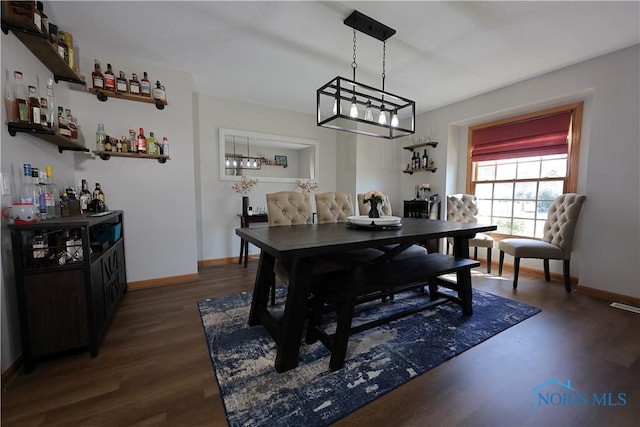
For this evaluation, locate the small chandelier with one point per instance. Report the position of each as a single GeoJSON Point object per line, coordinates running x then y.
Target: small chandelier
{"type": "Point", "coordinates": [370, 111]}
{"type": "Point", "coordinates": [239, 161]}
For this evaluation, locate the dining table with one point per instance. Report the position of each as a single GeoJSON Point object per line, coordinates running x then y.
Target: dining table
{"type": "Point", "coordinates": [300, 246]}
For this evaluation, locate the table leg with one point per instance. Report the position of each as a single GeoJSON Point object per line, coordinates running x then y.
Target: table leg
{"type": "Point", "coordinates": [461, 250]}
{"type": "Point", "coordinates": [246, 253]}
{"type": "Point", "coordinates": [295, 314]}
{"type": "Point", "coordinates": [264, 278]}
{"type": "Point", "coordinates": [241, 250]}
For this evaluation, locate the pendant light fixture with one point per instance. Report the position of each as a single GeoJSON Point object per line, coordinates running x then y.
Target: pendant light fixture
{"type": "Point", "coordinates": [240, 161]}
{"type": "Point", "coordinates": [377, 104]}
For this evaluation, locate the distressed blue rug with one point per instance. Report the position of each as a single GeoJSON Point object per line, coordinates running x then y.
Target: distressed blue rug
{"type": "Point", "coordinates": [378, 360]}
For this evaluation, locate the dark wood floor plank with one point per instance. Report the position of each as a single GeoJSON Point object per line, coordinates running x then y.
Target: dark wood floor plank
{"type": "Point", "coordinates": [153, 367]}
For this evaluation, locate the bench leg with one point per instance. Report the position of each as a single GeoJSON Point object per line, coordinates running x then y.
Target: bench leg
{"type": "Point", "coordinates": [464, 291]}
{"type": "Point", "coordinates": [341, 337]}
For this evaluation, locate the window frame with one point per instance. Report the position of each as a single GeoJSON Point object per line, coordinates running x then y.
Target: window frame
{"type": "Point", "coordinates": [570, 184]}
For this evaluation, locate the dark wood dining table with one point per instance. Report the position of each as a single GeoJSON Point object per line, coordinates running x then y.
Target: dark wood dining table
{"type": "Point", "coordinates": [298, 245]}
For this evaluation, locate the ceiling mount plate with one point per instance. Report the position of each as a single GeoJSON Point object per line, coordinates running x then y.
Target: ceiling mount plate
{"type": "Point", "coordinates": [369, 26]}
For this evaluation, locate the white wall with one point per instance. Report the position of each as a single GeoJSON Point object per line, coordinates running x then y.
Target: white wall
{"type": "Point", "coordinates": [219, 204]}
{"type": "Point", "coordinates": [607, 255]}
{"type": "Point", "coordinates": [158, 200]}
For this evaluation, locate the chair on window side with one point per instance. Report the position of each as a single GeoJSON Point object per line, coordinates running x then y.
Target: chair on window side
{"type": "Point", "coordinates": [557, 239]}
{"type": "Point", "coordinates": [463, 208]}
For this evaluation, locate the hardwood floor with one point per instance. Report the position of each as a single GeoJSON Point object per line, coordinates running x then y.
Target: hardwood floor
{"type": "Point", "coordinates": [153, 367]}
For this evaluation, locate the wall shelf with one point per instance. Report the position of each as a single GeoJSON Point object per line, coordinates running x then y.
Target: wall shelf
{"type": "Point", "coordinates": [40, 46]}
{"type": "Point", "coordinates": [106, 155]}
{"type": "Point", "coordinates": [104, 95]}
{"type": "Point", "coordinates": [62, 142]}
{"type": "Point", "coordinates": [433, 144]}
{"type": "Point", "coordinates": [411, 171]}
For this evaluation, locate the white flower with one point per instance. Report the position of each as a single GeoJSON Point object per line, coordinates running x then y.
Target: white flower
{"type": "Point", "coordinates": [307, 186]}
{"type": "Point", "coordinates": [245, 185]}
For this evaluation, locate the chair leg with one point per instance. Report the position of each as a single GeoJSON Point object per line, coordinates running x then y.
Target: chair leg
{"type": "Point", "coordinates": [516, 268]}
{"type": "Point", "coordinates": [488, 260]}
{"type": "Point", "coordinates": [547, 276]}
{"type": "Point", "coordinates": [475, 253]}
{"type": "Point", "coordinates": [500, 263]}
{"type": "Point", "coordinates": [567, 275]}
{"type": "Point", "coordinates": [447, 248]}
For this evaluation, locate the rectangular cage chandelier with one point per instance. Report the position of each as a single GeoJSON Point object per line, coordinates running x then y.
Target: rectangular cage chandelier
{"type": "Point", "coordinates": [346, 105]}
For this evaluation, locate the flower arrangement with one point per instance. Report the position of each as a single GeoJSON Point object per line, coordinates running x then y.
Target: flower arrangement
{"type": "Point", "coordinates": [375, 196]}
{"type": "Point", "coordinates": [245, 185]}
{"type": "Point", "coordinates": [307, 186]}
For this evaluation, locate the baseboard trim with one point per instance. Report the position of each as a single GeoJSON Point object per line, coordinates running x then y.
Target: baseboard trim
{"type": "Point", "coordinates": [609, 296]}
{"type": "Point", "coordinates": [217, 261]}
{"type": "Point", "coordinates": [530, 272]}
{"type": "Point", "coordinates": [162, 281]}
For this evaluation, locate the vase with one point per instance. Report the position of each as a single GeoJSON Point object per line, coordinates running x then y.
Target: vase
{"type": "Point", "coordinates": [245, 205]}
{"type": "Point", "coordinates": [373, 212]}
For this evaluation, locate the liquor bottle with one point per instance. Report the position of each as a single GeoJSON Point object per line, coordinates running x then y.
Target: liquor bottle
{"type": "Point", "coordinates": [134, 85]}
{"type": "Point", "coordinates": [39, 196]}
{"type": "Point", "coordinates": [97, 77]}
{"type": "Point", "coordinates": [99, 198]}
{"type": "Point", "coordinates": [145, 86]}
{"type": "Point", "coordinates": [29, 193]}
{"type": "Point", "coordinates": [63, 49]}
{"type": "Point", "coordinates": [22, 96]}
{"type": "Point", "coordinates": [85, 196]}
{"type": "Point", "coordinates": [63, 128]}
{"type": "Point", "coordinates": [133, 143]}
{"type": "Point", "coordinates": [34, 106]}
{"type": "Point", "coordinates": [44, 112]}
{"type": "Point", "coordinates": [109, 79]}
{"type": "Point", "coordinates": [165, 146]}
{"type": "Point", "coordinates": [71, 124]}
{"type": "Point", "coordinates": [125, 144]}
{"type": "Point", "coordinates": [142, 142]}
{"type": "Point", "coordinates": [118, 146]}
{"type": "Point", "coordinates": [425, 159]}
{"type": "Point", "coordinates": [9, 99]}
{"type": "Point", "coordinates": [107, 143]}
{"type": "Point", "coordinates": [121, 83]}
{"type": "Point", "coordinates": [100, 137]}
{"type": "Point", "coordinates": [53, 195]}
{"type": "Point", "coordinates": [152, 147]}
{"type": "Point", "coordinates": [51, 112]}
{"type": "Point", "coordinates": [44, 19]}
{"type": "Point", "coordinates": [37, 18]}
{"type": "Point", "coordinates": [158, 92]}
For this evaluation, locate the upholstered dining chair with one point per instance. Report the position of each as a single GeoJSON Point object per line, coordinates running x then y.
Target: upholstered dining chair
{"type": "Point", "coordinates": [556, 242]}
{"type": "Point", "coordinates": [333, 207]}
{"type": "Point", "coordinates": [463, 208]}
{"type": "Point", "coordinates": [364, 208]}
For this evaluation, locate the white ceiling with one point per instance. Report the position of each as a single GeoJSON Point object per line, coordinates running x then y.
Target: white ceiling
{"type": "Point", "coordinates": [279, 53]}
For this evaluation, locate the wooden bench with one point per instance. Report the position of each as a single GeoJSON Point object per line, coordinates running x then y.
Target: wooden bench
{"type": "Point", "coordinates": [344, 289]}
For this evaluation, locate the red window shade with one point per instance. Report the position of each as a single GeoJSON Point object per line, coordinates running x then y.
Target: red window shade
{"type": "Point", "coordinates": [536, 137]}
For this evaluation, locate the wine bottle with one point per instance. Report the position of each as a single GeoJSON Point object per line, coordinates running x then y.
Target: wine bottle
{"type": "Point", "coordinates": [425, 159]}
{"type": "Point", "coordinates": [142, 142]}
{"type": "Point", "coordinates": [145, 85]}
{"type": "Point", "coordinates": [97, 77]}
{"type": "Point", "coordinates": [109, 79]}
{"type": "Point", "coordinates": [22, 96]}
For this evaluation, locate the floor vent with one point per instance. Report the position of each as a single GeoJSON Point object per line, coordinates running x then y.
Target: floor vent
{"type": "Point", "coordinates": [626, 307]}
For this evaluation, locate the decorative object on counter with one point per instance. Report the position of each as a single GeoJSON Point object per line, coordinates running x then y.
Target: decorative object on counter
{"type": "Point", "coordinates": [422, 190]}
{"type": "Point", "coordinates": [21, 213]}
{"type": "Point", "coordinates": [374, 198]}
{"type": "Point", "coordinates": [307, 186]}
{"type": "Point", "coordinates": [158, 92]}
{"type": "Point", "coordinates": [245, 186]}
{"type": "Point", "coordinates": [399, 110]}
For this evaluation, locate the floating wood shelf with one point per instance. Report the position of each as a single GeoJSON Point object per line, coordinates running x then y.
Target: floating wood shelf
{"type": "Point", "coordinates": [47, 135]}
{"type": "Point", "coordinates": [423, 144]}
{"type": "Point", "coordinates": [411, 171]}
{"type": "Point", "coordinates": [106, 155]}
{"type": "Point", "coordinates": [103, 95]}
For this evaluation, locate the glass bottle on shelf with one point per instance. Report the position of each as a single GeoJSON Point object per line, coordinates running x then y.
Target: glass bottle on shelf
{"type": "Point", "coordinates": [22, 96]}
{"type": "Point", "coordinates": [99, 198]}
{"type": "Point", "coordinates": [97, 76]}
{"type": "Point", "coordinates": [51, 106]}
{"type": "Point", "coordinates": [34, 106]}
{"type": "Point", "coordinates": [100, 137]}
{"type": "Point", "coordinates": [165, 146]}
{"type": "Point", "coordinates": [53, 199]}
{"type": "Point", "coordinates": [29, 193]}
{"type": "Point", "coordinates": [142, 142]}
{"type": "Point", "coordinates": [109, 79]}
{"type": "Point", "coordinates": [44, 18]}
{"type": "Point", "coordinates": [134, 85]}
{"type": "Point", "coordinates": [125, 144]}
{"type": "Point", "coordinates": [145, 85]}
{"type": "Point", "coordinates": [133, 142]}
{"type": "Point", "coordinates": [121, 83]}
{"type": "Point", "coordinates": [425, 160]}
{"type": "Point", "coordinates": [63, 49]}
{"type": "Point", "coordinates": [44, 112]}
{"type": "Point", "coordinates": [71, 124]}
{"type": "Point", "coordinates": [63, 128]}
{"type": "Point", "coordinates": [107, 143]}
{"type": "Point", "coordinates": [10, 109]}
{"type": "Point", "coordinates": [152, 147]}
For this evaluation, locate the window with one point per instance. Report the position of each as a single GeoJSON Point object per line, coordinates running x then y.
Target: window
{"type": "Point", "coordinates": [519, 165]}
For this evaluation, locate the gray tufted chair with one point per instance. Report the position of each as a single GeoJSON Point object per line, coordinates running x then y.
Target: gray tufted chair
{"type": "Point", "coordinates": [333, 207]}
{"type": "Point", "coordinates": [463, 208]}
{"type": "Point", "coordinates": [557, 239]}
{"type": "Point", "coordinates": [364, 208]}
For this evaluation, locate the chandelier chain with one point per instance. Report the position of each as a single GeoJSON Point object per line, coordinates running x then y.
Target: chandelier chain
{"type": "Point", "coordinates": [354, 64]}
{"type": "Point", "coordinates": [384, 57]}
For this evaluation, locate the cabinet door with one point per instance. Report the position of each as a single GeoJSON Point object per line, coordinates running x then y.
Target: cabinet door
{"type": "Point", "coordinates": [113, 277]}
{"type": "Point", "coordinates": [56, 311]}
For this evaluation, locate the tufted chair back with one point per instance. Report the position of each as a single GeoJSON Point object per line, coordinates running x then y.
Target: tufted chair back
{"type": "Point", "coordinates": [562, 218]}
{"type": "Point", "coordinates": [462, 208]}
{"type": "Point", "coordinates": [333, 207]}
{"type": "Point", "coordinates": [288, 208]}
{"type": "Point", "coordinates": [364, 208]}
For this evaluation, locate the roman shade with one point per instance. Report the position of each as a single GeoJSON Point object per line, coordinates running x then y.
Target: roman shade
{"type": "Point", "coordinates": [540, 136]}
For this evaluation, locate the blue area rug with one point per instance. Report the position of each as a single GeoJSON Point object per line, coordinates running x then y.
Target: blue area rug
{"type": "Point", "coordinates": [378, 360]}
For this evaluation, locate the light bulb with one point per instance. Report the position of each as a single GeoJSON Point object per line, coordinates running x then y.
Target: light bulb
{"type": "Point", "coordinates": [353, 113]}
{"type": "Point", "coordinates": [382, 118]}
{"type": "Point", "coordinates": [235, 163]}
{"type": "Point", "coordinates": [394, 119]}
{"type": "Point", "coordinates": [227, 162]}
{"type": "Point", "coordinates": [368, 115]}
